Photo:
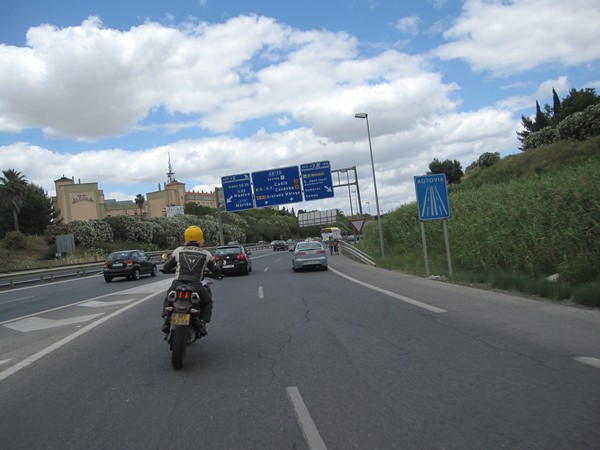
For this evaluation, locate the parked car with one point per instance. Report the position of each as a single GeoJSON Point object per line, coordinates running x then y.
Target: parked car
{"type": "Point", "coordinates": [129, 264]}
{"type": "Point", "coordinates": [309, 254]}
{"type": "Point", "coordinates": [280, 245]}
{"type": "Point", "coordinates": [233, 259]}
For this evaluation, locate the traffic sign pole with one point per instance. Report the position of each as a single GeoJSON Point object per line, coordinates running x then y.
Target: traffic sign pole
{"type": "Point", "coordinates": [433, 204]}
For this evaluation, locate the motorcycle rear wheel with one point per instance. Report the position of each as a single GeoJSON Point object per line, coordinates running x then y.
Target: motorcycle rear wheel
{"type": "Point", "coordinates": [178, 346]}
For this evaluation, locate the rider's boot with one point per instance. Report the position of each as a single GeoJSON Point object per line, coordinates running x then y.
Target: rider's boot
{"type": "Point", "coordinates": [200, 328]}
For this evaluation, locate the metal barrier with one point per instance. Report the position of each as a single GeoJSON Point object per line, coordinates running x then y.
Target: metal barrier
{"type": "Point", "coordinates": [356, 254]}
{"type": "Point", "coordinates": [11, 279]}
{"type": "Point", "coordinates": [48, 274]}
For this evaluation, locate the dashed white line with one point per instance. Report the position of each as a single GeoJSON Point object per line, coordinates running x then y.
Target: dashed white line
{"type": "Point", "coordinates": [17, 300]}
{"type": "Point", "coordinates": [261, 294]}
{"type": "Point", "coordinates": [311, 434]}
{"type": "Point", "coordinates": [594, 362]}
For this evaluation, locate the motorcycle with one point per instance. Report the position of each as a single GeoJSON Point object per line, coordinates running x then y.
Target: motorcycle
{"type": "Point", "coordinates": [184, 304]}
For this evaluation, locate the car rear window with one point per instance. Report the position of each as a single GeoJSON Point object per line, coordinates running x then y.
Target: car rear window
{"type": "Point", "coordinates": [228, 251]}
{"type": "Point", "coordinates": [309, 246]}
{"type": "Point", "coordinates": [119, 256]}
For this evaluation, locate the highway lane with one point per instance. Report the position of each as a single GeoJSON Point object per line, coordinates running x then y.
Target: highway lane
{"type": "Point", "coordinates": [413, 364]}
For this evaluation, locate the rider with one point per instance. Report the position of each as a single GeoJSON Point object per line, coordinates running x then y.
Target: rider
{"type": "Point", "coordinates": [190, 262]}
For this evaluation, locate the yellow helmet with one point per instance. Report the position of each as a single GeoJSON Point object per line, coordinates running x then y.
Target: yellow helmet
{"type": "Point", "coordinates": [193, 234]}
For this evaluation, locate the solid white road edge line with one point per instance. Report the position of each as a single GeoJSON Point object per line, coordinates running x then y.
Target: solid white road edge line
{"type": "Point", "coordinates": [33, 358]}
{"type": "Point", "coordinates": [391, 294]}
{"type": "Point", "coordinates": [311, 434]}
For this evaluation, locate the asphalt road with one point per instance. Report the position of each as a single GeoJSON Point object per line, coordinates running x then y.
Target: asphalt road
{"type": "Point", "coordinates": [353, 357]}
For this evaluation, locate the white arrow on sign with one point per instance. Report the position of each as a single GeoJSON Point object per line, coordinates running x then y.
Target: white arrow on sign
{"type": "Point", "coordinates": [39, 323]}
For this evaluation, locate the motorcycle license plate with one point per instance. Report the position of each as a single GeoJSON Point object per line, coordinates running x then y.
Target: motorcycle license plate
{"type": "Point", "coordinates": [180, 319]}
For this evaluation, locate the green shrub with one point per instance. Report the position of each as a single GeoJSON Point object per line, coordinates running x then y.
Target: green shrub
{"type": "Point", "coordinates": [14, 240]}
{"type": "Point", "coordinates": [587, 294]}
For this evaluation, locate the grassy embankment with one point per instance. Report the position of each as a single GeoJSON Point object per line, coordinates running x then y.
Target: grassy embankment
{"type": "Point", "coordinates": [528, 217]}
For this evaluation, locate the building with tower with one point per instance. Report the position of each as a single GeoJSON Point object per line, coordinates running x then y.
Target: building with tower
{"type": "Point", "coordinates": [83, 201]}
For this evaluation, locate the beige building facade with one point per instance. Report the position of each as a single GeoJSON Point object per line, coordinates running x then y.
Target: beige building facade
{"type": "Point", "coordinates": [83, 201]}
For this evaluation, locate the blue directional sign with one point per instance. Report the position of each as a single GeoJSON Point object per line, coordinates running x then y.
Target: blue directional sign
{"type": "Point", "coordinates": [316, 180]}
{"type": "Point", "coordinates": [432, 197]}
{"type": "Point", "coordinates": [277, 186]}
{"type": "Point", "coordinates": [237, 192]}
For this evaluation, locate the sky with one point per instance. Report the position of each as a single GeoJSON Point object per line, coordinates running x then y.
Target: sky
{"type": "Point", "coordinates": [109, 91]}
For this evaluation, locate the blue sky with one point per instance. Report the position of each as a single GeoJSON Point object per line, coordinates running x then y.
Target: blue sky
{"type": "Point", "coordinates": [107, 91]}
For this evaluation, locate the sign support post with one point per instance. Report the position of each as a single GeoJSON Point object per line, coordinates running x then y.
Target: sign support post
{"type": "Point", "coordinates": [432, 203]}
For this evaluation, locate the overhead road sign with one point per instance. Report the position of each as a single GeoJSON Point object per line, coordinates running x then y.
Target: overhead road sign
{"type": "Point", "coordinates": [237, 192]}
{"type": "Point", "coordinates": [432, 197]}
{"type": "Point", "coordinates": [316, 180]}
{"type": "Point", "coordinates": [277, 186]}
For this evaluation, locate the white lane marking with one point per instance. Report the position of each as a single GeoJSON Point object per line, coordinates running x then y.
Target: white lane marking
{"type": "Point", "coordinates": [311, 434]}
{"type": "Point", "coordinates": [135, 290]}
{"type": "Point", "coordinates": [594, 362]}
{"type": "Point", "coordinates": [17, 300]}
{"type": "Point", "coordinates": [391, 294]}
{"type": "Point", "coordinates": [39, 323]}
{"type": "Point", "coordinates": [266, 269]}
{"type": "Point", "coordinates": [44, 285]}
{"type": "Point", "coordinates": [4, 361]}
{"type": "Point", "coordinates": [99, 304]}
{"type": "Point", "coordinates": [33, 358]}
{"type": "Point", "coordinates": [261, 295]}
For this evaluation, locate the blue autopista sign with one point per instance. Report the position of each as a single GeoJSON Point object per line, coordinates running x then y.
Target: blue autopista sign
{"type": "Point", "coordinates": [432, 197]}
{"type": "Point", "coordinates": [277, 186]}
{"type": "Point", "coordinates": [316, 180]}
{"type": "Point", "coordinates": [237, 192]}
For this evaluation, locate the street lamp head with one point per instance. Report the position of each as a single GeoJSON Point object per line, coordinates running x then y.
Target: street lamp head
{"type": "Point", "coordinates": [361, 115]}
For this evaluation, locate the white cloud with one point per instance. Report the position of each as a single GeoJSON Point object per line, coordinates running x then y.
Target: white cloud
{"type": "Point", "coordinates": [511, 37]}
{"type": "Point", "coordinates": [408, 25]}
{"type": "Point", "coordinates": [299, 90]}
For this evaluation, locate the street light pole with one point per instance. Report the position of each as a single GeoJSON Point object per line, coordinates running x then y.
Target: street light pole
{"type": "Point", "coordinates": [366, 116]}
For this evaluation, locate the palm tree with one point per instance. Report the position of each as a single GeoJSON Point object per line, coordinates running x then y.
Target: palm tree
{"type": "Point", "coordinates": [12, 192]}
{"type": "Point", "coordinates": [139, 200]}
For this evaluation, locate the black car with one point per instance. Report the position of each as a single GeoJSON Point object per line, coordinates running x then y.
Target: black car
{"type": "Point", "coordinates": [233, 259]}
{"type": "Point", "coordinates": [129, 264]}
{"type": "Point", "coordinates": [280, 245]}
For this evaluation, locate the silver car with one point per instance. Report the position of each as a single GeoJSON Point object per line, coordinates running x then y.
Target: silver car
{"type": "Point", "coordinates": [309, 254]}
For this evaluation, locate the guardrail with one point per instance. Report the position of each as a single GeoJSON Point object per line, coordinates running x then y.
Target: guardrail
{"type": "Point", "coordinates": [48, 274]}
{"type": "Point", "coordinates": [356, 254]}
{"type": "Point", "coordinates": [11, 279]}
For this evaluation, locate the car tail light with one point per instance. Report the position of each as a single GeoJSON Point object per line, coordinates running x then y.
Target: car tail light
{"type": "Point", "coordinates": [241, 257]}
{"type": "Point", "coordinates": [320, 251]}
{"type": "Point", "coordinates": [106, 264]}
{"type": "Point", "coordinates": [215, 258]}
{"type": "Point", "coordinates": [301, 253]}
{"type": "Point", "coordinates": [130, 262]}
